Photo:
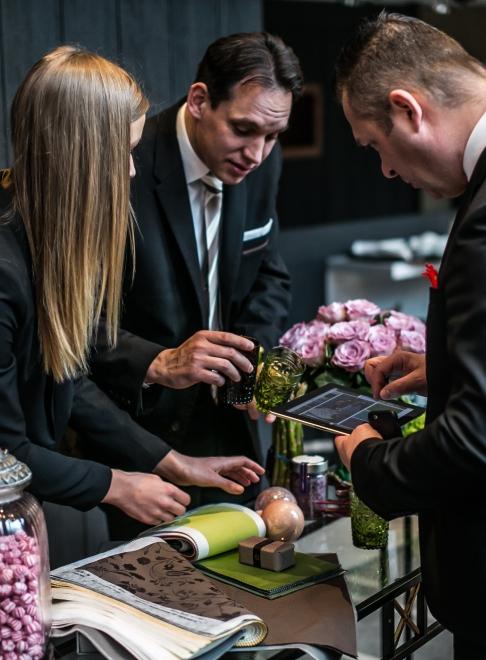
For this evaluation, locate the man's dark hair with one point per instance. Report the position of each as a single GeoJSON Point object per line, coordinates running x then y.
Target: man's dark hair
{"type": "Point", "coordinates": [254, 57]}
{"type": "Point", "coordinates": [393, 51]}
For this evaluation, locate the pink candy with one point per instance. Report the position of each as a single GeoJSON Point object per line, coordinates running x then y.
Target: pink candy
{"type": "Point", "coordinates": [6, 575]}
{"type": "Point", "coordinates": [21, 636]}
{"type": "Point", "coordinates": [7, 605]}
{"type": "Point", "coordinates": [27, 598]}
{"type": "Point", "coordinates": [31, 560]}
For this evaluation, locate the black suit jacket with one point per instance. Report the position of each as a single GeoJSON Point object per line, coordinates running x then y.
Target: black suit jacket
{"type": "Point", "coordinates": [34, 410]}
{"type": "Point", "coordinates": [165, 305]}
{"type": "Point", "coordinates": [440, 472]}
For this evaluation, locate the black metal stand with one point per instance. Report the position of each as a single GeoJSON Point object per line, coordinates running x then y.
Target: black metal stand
{"type": "Point", "coordinates": [419, 631]}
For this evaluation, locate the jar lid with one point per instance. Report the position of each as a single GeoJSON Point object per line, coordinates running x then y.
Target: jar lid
{"type": "Point", "coordinates": [315, 464]}
{"type": "Point", "coordinates": [13, 473]}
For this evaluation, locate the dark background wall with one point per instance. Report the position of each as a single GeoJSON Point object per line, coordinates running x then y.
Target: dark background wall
{"type": "Point", "coordinates": [344, 182]}
{"type": "Point", "coordinates": [159, 41]}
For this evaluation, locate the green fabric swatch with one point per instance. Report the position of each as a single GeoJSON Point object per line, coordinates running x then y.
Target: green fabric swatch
{"type": "Point", "coordinates": [220, 526]}
{"type": "Point", "coordinates": [270, 584]}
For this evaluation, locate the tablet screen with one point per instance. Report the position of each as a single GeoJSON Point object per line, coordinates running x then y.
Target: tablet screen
{"type": "Point", "coordinates": [338, 409]}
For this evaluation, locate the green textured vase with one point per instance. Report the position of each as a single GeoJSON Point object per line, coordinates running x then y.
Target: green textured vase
{"type": "Point", "coordinates": [369, 530]}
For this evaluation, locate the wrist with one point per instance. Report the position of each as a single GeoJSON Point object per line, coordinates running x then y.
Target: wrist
{"type": "Point", "coordinates": [157, 371]}
{"type": "Point", "coordinates": [115, 491]}
{"type": "Point", "coordinates": [172, 467]}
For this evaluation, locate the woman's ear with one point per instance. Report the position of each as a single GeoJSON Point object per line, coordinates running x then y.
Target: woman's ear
{"type": "Point", "coordinates": [406, 108]}
{"type": "Point", "coordinates": [197, 99]}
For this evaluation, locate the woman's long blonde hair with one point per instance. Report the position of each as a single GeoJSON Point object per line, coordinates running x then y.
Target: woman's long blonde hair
{"type": "Point", "coordinates": [71, 121]}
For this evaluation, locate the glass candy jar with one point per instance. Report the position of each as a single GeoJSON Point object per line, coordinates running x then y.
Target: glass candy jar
{"type": "Point", "coordinates": [24, 566]}
{"type": "Point", "coordinates": [308, 482]}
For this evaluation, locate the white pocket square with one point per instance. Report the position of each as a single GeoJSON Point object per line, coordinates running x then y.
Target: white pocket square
{"type": "Point", "coordinates": [258, 232]}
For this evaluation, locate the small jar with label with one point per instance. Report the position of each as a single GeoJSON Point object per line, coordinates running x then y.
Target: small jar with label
{"type": "Point", "coordinates": [308, 482]}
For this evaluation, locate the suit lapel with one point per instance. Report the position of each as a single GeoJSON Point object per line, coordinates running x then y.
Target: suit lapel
{"type": "Point", "coordinates": [174, 198]}
{"type": "Point", "coordinates": [233, 224]}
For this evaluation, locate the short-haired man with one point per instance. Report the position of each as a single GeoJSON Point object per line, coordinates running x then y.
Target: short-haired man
{"type": "Point", "coordinates": [201, 282]}
{"type": "Point", "coordinates": [416, 96]}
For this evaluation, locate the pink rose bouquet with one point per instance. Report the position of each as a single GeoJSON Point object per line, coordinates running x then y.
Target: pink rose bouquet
{"type": "Point", "coordinates": [336, 344]}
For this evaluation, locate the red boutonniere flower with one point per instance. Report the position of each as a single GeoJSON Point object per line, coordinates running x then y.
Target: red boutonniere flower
{"type": "Point", "coordinates": [432, 275]}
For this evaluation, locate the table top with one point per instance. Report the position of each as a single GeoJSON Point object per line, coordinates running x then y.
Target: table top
{"type": "Point", "coordinates": [368, 572]}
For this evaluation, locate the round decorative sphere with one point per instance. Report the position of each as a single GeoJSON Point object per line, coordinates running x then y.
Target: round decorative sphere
{"type": "Point", "coordinates": [284, 520]}
{"type": "Point", "coordinates": [271, 494]}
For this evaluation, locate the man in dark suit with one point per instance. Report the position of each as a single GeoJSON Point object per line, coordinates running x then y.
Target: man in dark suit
{"type": "Point", "coordinates": [201, 282]}
{"type": "Point", "coordinates": [417, 97]}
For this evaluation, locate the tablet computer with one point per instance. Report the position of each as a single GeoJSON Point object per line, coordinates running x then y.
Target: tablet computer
{"type": "Point", "coordinates": [339, 410]}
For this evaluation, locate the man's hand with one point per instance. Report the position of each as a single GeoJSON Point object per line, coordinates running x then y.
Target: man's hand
{"type": "Point", "coordinates": [346, 444]}
{"type": "Point", "coordinates": [206, 357]}
{"type": "Point", "coordinates": [230, 473]}
{"type": "Point", "coordinates": [410, 368]}
{"type": "Point", "coordinates": [146, 497]}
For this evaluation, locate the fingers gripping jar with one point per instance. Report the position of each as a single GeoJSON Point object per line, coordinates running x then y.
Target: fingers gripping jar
{"type": "Point", "coordinates": [24, 566]}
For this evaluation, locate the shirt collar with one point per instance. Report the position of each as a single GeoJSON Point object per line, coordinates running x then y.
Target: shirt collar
{"type": "Point", "coordinates": [194, 168]}
{"type": "Point", "coordinates": [474, 147]}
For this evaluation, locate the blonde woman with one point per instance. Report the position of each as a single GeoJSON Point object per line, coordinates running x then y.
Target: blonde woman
{"type": "Point", "coordinates": [65, 223]}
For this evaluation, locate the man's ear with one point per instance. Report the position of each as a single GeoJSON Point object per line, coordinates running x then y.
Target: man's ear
{"type": "Point", "coordinates": [197, 99]}
{"type": "Point", "coordinates": [406, 107]}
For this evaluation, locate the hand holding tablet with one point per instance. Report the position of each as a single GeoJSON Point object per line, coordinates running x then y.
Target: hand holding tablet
{"type": "Point", "coordinates": [339, 410]}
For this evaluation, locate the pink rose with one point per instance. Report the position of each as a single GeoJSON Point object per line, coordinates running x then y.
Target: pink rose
{"type": "Point", "coordinates": [411, 340]}
{"type": "Point", "coordinates": [332, 313]}
{"type": "Point", "coordinates": [399, 321]}
{"type": "Point", "coordinates": [361, 329]}
{"type": "Point", "coordinates": [295, 337]}
{"type": "Point", "coordinates": [351, 355]}
{"type": "Point", "coordinates": [361, 309]}
{"type": "Point", "coordinates": [347, 330]}
{"type": "Point", "coordinates": [382, 340]}
{"type": "Point", "coordinates": [312, 353]}
{"type": "Point", "coordinates": [308, 340]}
{"type": "Point", "coordinates": [340, 332]}
{"type": "Point", "coordinates": [418, 326]}
{"type": "Point", "coordinates": [313, 350]}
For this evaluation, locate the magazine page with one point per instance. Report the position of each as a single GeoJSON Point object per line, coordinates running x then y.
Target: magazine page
{"type": "Point", "coordinates": [145, 592]}
{"type": "Point", "coordinates": [210, 530]}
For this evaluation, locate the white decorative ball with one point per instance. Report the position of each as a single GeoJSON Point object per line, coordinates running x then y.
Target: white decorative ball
{"type": "Point", "coordinates": [270, 495]}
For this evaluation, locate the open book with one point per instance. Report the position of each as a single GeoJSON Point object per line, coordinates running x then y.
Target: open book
{"type": "Point", "coordinates": [151, 600]}
{"type": "Point", "coordinates": [210, 530]}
